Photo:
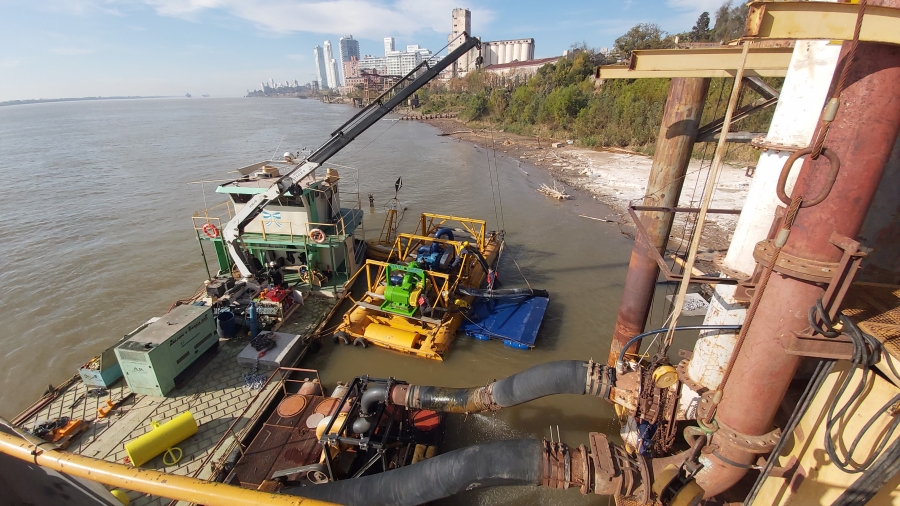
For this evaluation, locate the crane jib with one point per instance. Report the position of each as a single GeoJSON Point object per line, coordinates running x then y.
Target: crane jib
{"type": "Point", "coordinates": [340, 138]}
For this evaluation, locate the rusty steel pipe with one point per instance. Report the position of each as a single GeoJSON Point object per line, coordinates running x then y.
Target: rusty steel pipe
{"type": "Point", "coordinates": [681, 118]}
{"type": "Point", "coordinates": [862, 135]}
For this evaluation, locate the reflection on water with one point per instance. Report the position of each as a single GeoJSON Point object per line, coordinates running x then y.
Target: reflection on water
{"type": "Point", "coordinates": [95, 211]}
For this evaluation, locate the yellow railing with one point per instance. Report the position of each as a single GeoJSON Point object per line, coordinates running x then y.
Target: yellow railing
{"type": "Point", "coordinates": [214, 215]}
{"type": "Point", "coordinates": [430, 223]}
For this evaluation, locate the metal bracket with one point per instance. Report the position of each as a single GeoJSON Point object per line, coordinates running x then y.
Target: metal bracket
{"type": "Point", "coordinates": [751, 444]}
{"type": "Point", "coordinates": [663, 267]}
{"type": "Point", "coordinates": [684, 377]}
{"type": "Point", "coordinates": [809, 344]}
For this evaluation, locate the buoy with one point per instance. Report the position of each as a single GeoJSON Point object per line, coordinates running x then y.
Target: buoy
{"type": "Point", "coordinates": [317, 236]}
{"type": "Point", "coordinates": [161, 438]}
{"type": "Point", "coordinates": [211, 231]}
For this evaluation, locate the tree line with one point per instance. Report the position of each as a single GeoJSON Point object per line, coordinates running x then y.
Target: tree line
{"type": "Point", "coordinates": [562, 100]}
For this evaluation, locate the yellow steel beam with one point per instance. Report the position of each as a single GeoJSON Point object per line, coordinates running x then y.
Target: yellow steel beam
{"type": "Point", "coordinates": [821, 20]}
{"type": "Point", "coordinates": [148, 481]}
{"type": "Point", "coordinates": [700, 62]}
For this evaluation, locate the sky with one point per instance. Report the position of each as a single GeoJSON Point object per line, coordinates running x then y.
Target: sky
{"type": "Point", "coordinates": [77, 48]}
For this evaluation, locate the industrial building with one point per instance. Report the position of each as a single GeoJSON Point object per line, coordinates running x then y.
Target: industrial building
{"type": "Point", "coordinates": [520, 68]}
{"type": "Point", "coordinates": [461, 22]}
{"type": "Point", "coordinates": [507, 51]}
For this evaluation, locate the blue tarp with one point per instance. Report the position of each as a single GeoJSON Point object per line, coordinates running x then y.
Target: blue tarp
{"type": "Point", "coordinates": [514, 320]}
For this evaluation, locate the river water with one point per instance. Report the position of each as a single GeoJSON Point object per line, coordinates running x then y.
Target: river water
{"type": "Point", "coordinates": [96, 238]}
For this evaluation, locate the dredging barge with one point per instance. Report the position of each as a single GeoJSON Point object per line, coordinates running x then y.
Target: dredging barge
{"type": "Point", "coordinates": [789, 395]}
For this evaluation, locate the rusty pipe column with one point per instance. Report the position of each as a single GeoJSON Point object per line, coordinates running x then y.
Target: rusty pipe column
{"type": "Point", "coordinates": [862, 135]}
{"type": "Point", "coordinates": [681, 119]}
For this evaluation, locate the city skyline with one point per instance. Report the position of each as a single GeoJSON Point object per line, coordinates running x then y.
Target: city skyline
{"type": "Point", "coordinates": [168, 47]}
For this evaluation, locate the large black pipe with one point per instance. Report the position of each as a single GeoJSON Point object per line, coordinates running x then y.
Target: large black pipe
{"type": "Point", "coordinates": [563, 377]}
{"type": "Point", "coordinates": [502, 292]}
{"type": "Point", "coordinates": [499, 463]}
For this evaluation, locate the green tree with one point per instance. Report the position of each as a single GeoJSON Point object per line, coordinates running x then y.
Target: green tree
{"type": "Point", "coordinates": [643, 36]}
{"type": "Point", "coordinates": [498, 102]}
{"type": "Point", "coordinates": [730, 22]}
{"type": "Point", "coordinates": [701, 32]}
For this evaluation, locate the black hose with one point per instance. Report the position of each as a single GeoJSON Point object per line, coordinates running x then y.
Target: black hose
{"type": "Point", "coordinates": [498, 463]}
{"type": "Point", "coordinates": [660, 331]}
{"type": "Point", "coordinates": [480, 258]}
{"type": "Point", "coordinates": [551, 378]}
{"type": "Point", "coordinates": [502, 292]}
{"type": "Point", "coordinates": [873, 479]}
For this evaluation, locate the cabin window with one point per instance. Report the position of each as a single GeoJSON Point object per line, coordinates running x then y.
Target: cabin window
{"type": "Point", "coordinates": [240, 198]}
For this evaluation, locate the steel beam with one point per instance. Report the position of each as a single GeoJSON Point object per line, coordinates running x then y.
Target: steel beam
{"type": "Point", "coordinates": [821, 20]}
{"type": "Point", "coordinates": [702, 62]}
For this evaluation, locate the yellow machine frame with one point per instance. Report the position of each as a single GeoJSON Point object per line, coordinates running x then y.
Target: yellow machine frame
{"type": "Point", "coordinates": [418, 335]}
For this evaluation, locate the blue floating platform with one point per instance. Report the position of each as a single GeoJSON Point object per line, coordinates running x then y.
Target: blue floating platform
{"type": "Point", "coordinates": [514, 320]}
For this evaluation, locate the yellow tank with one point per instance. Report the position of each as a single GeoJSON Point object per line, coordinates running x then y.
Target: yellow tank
{"type": "Point", "coordinates": [390, 336]}
{"type": "Point", "coordinates": [162, 437]}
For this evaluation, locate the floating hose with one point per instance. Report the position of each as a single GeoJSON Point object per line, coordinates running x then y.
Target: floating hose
{"type": "Point", "coordinates": [499, 463]}
{"type": "Point", "coordinates": [502, 292]}
{"type": "Point", "coordinates": [563, 377]}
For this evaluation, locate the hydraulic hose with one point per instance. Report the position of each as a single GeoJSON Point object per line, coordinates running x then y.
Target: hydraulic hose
{"type": "Point", "coordinates": [499, 463]}
{"type": "Point", "coordinates": [502, 292]}
{"type": "Point", "coordinates": [563, 377]}
{"type": "Point", "coordinates": [620, 360]}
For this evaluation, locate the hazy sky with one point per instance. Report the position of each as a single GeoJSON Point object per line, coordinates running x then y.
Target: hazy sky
{"type": "Point", "coordinates": [75, 48]}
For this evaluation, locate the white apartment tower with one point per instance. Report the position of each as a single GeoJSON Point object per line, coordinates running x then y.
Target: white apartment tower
{"type": "Point", "coordinates": [320, 67]}
{"type": "Point", "coordinates": [330, 66]}
{"type": "Point", "coordinates": [388, 45]}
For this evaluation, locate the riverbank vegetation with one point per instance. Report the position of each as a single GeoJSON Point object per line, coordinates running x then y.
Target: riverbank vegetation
{"type": "Point", "coordinates": [563, 100]}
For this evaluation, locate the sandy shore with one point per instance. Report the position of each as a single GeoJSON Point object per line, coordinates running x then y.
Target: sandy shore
{"type": "Point", "coordinates": [619, 178]}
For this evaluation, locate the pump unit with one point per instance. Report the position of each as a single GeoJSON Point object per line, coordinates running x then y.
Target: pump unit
{"type": "Point", "coordinates": [153, 358]}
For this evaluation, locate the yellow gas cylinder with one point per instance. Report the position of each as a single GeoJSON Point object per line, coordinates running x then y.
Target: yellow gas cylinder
{"type": "Point", "coordinates": [162, 437]}
{"type": "Point", "coordinates": [390, 335]}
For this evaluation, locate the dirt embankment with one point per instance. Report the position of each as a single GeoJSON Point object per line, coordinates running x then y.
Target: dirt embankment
{"type": "Point", "coordinates": [619, 178]}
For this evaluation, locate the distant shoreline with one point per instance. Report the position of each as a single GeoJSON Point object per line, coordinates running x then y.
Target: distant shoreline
{"type": "Point", "coordinates": [49, 100]}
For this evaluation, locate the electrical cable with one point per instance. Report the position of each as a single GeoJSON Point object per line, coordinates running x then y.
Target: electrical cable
{"type": "Point", "coordinates": [867, 352]}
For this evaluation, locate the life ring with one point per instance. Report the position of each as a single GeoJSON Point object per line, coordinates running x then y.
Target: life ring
{"type": "Point", "coordinates": [317, 236]}
{"type": "Point", "coordinates": [211, 231]}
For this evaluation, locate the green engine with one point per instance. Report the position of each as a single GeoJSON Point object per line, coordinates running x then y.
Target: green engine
{"type": "Point", "coordinates": [404, 285]}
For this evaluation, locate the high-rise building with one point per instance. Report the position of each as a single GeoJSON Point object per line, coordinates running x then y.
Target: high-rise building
{"type": "Point", "coordinates": [461, 22]}
{"type": "Point", "coordinates": [349, 48]}
{"type": "Point", "coordinates": [320, 67]}
{"type": "Point", "coordinates": [388, 45]}
{"type": "Point", "coordinates": [330, 68]}
{"type": "Point", "coordinates": [396, 63]}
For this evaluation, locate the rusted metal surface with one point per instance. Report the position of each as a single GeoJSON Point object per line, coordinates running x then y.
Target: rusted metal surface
{"type": "Point", "coordinates": [726, 436]}
{"type": "Point", "coordinates": [656, 256]}
{"type": "Point", "coordinates": [283, 442]}
{"type": "Point", "coordinates": [681, 118]}
{"type": "Point", "coordinates": [862, 136]}
{"type": "Point", "coordinates": [291, 405]}
{"type": "Point", "coordinates": [792, 265]}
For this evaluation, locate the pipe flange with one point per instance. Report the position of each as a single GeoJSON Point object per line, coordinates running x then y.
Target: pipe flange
{"type": "Point", "coordinates": [600, 379]}
{"type": "Point", "coordinates": [752, 444]}
{"type": "Point", "coordinates": [792, 265]}
{"type": "Point", "coordinates": [684, 377]}
{"type": "Point", "coordinates": [484, 398]}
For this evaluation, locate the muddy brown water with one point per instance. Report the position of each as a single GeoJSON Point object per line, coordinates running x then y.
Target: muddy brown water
{"type": "Point", "coordinates": [95, 209]}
